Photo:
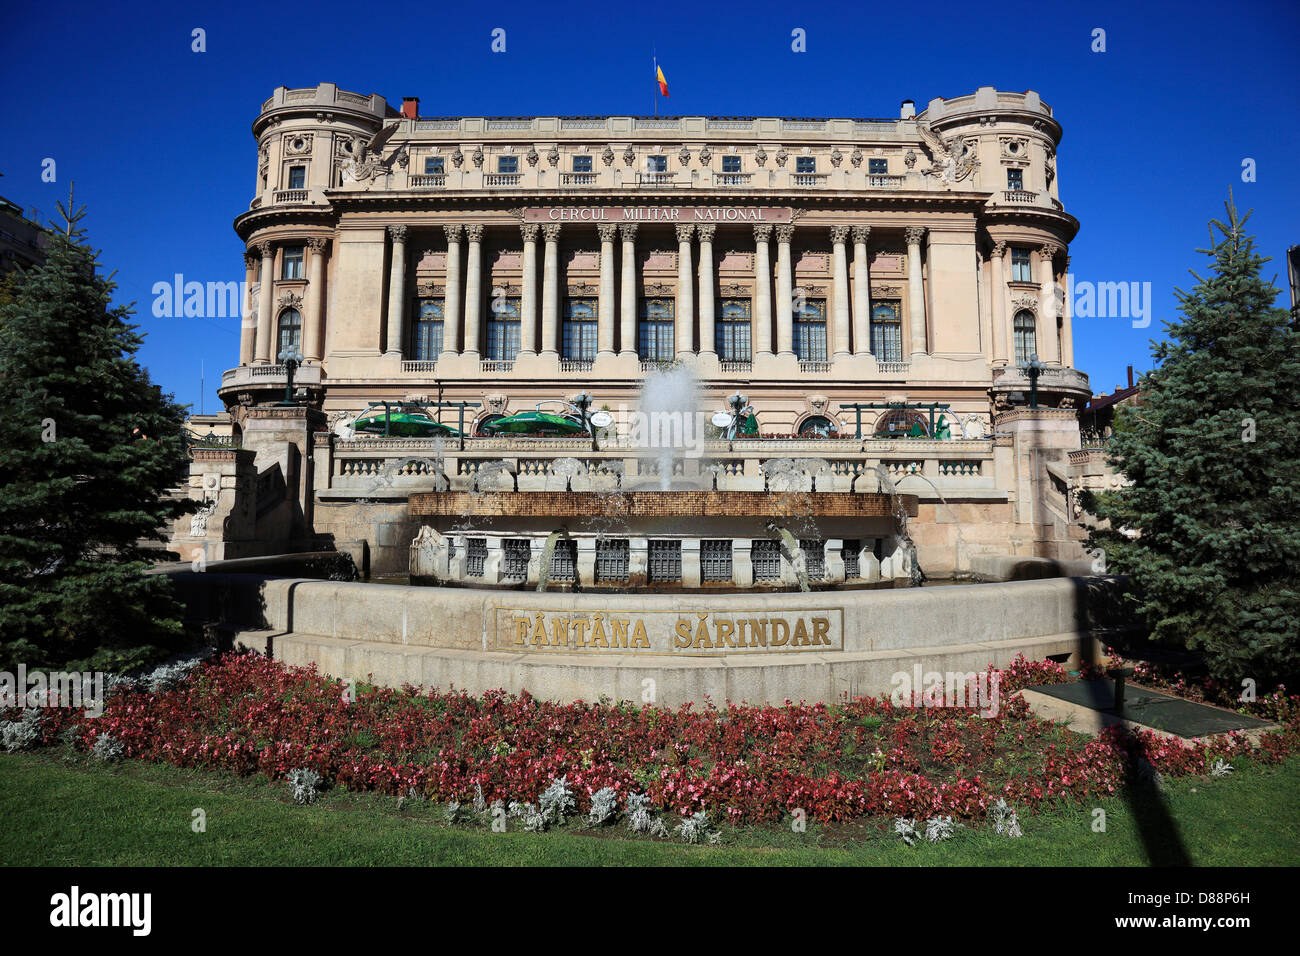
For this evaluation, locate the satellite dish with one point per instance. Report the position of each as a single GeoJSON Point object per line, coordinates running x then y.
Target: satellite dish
{"type": "Point", "coordinates": [601, 419]}
{"type": "Point", "coordinates": [722, 419]}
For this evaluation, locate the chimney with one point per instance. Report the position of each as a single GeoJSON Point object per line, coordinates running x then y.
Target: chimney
{"type": "Point", "coordinates": [1130, 376]}
{"type": "Point", "coordinates": [411, 107]}
{"type": "Point", "coordinates": [907, 110]}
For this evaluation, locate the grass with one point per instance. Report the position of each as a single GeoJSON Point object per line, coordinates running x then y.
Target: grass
{"type": "Point", "coordinates": [58, 810]}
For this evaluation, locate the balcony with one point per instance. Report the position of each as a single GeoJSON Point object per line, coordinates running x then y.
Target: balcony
{"type": "Point", "coordinates": [290, 196]}
{"type": "Point", "coordinates": [1022, 196]}
{"type": "Point", "coordinates": [656, 179]}
{"type": "Point", "coordinates": [814, 367]}
{"type": "Point", "coordinates": [575, 365]}
{"type": "Point", "coordinates": [500, 180]}
{"type": "Point", "coordinates": [878, 181]}
{"type": "Point", "coordinates": [496, 365]}
{"type": "Point", "coordinates": [810, 180]}
{"type": "Point", "coordinates": [736, 366]}
{"type": "Point", "coordinates": [577, 179]}
{"type": "Point", "coordinates": [425, 366]}
{"type": "Point", "coordinates": [732, 179]}
{"type": "Point", "coordinates": [892, 368]}
{"type": "Point", "coordinates": [269, 376]}
{"type": "Point", "coordinates": [429, 181]}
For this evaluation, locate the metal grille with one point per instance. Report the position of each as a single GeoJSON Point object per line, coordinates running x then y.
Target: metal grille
{"type": "Point", "coordinates": [849, 552]}
{"type": "Point", "coordinates": [887, 331]}
{"type": "Point", "coordinates": [611, 560]}
{"type": "Point", "coordinates": [715, 560]}
{"type": "Point", "coordinates": [766, 557]}
{"type": "Point", "coordinates": [814, 557]}
{"type": "Point", "coordinates": [665, 561]}
{"type": "Point", "coordinates": [517, 553]}
{"type": "Point", "coordinates": [475, 556]}
{"type": "Point", "coordinates": [564, 560]}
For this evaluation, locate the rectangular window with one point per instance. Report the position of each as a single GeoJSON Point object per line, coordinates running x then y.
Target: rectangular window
{"type": "Point", "coordinates": [1015, 179]}
{"type": "Point", "coordinates": [715, 560]}
{"type": "Point", "coordinates": [731, 164]}
{"type": "Point", "coordinates": [878, 167]}
{"type": "Point", "coordinates": [814, 557]}
{"type": "Point", "coordinates": [434, 166]}
{"type": "Point", "coordinates": [292, 268]}
{"type": "Point", "coordinates": [665, 564]}
{"type": "Point", "coordinates": [765, 554]}
{"type": "Point", "coordinates": [656, 164]}
{"type": "Point", "coordinates": [733, 330]}
{"type": "Point", "coordinates": [611, 559]}
{"type": "Point", "coordinates": [579, 330]}
{"type": "Point", "coordinates": [517, 552]}
{"type": "Point", "coordinates": [426, 330]}
{"type": "Point", "coordinates": [297, 177]}
{"type": "Point", "coordinates": [475, 557]}
{"type": "Point", "coordinates": [805, 164]}
{"type": "Point", "coordinates": [887, 331]}
{"type": "Point", "coordinates": [564, 560]}
{"type": "Point", "coordinates": [1021, 268]}
{"type": "Point", "coordinates": [503, 330]}
{"type": "Point", "coordinates": [850, 553]}
{"type": "Point", "coordinates": [655, 332]}
{"type": "Point", "coordinates": [582, 164]}
{"type": "Point", "coordinates": [810, 331]}
{"type": "Point", "coordinates": [507, 164]}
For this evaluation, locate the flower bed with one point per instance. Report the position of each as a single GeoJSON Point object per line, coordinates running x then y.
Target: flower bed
{"type": "Point", "coordinates": [744, 764]}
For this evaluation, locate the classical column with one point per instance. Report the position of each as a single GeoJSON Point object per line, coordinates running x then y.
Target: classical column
{"type": "Point", "coordinates": [473, 287]}
{"type": "Point", "coordinates": [605, 304]}
{"type": "Point", "coordinates": [915, 291]}
{"type": "Point", "coordinates": [551, 289]}
{"type": "Point", "coordinates": [314, 335]}
{"type": "Point", "coordinates": [861, 291]}
{"type": "Point", "coordinates": [265, 295]}
{"type": "Point", "coordinates": [1067, 334]}
{"type": "Point", "coordinates": [762, 291]}
{"type": "Point", "coordinates": [451, 304]}
{"type": "Point", "coordinates": [685, 317]}
{"type": "Point", "coordinates": [248, 320]}
{"type": "Point", "coordinates": [707, 328]}
{"type": "Point", "coordinates": [528, 297]}
{"type": "Point", "coordinates": [839, 256]}
{"type": "Point", "coordinates": [784, 292]}
{"type": "Point", "coordinates": [396, 290]}
{"type": "Point", "coordinates": [627, 332]}
{"type": "Point", "coordinates": [1047, 350]}
{"type": "Point", "coordinates": [1003, 341]}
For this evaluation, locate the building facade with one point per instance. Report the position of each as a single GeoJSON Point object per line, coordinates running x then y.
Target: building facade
{"type": "Point", "coordinates": [808, 263]}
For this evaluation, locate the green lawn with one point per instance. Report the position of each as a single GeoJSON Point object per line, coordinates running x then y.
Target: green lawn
{"type": "Point", "coordinates": [56, 810]}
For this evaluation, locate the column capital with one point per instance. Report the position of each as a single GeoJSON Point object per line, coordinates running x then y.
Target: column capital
{"type": "Point", "coordinates": [266, 249]}
{"type": "Point", "coordinates": [707, 231]}
{"type": "Point", "coordinates": [607, 231]}
{"type": "Point", "coordinates": [251, 258]}
{"type": "Point", "coordinates": [453, 231]}
{"type": "Point", "coordinates": [913, 235]}
{"type": "Point", "coordinates": [762, 233]}
{"type": "Point", "coordinates": [397, 233]}
{"type": "Point", "coordinates": [684, 231]}
{"type": "Point", "coordinates": [318, 244]}
{"type": "Point", "coordinates": [529, 231]}
{"type": "Point", "coordinates": [861, 233]}
{"type": "Point", "coordinates": [1050, 250]}
{"type": "Point", "coordinates": [628, 231]}
{"type": "Point", "coordinates": [999, 249]}
{"type": "Point", "coordinates": [784, 233]}
{"type": "Point", "coordinates": [839, 234]}
{"type": "Point", "coordinates": [551, 231]}
{"type": "Point", "coordinates": [474, 232]}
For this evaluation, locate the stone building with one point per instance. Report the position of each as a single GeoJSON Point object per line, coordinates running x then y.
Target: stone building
{"type": "Point", "coordinates": [896, 265]}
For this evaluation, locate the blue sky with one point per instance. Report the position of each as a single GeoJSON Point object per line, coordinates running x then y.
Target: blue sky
{"type": "Point", "coordinates": [157, 137]}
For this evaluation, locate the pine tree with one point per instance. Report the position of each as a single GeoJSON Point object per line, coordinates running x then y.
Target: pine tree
{"type": "Point", "coordinates": [90, 447]}
{"type": "Point", "coordinates": [1213, 454]}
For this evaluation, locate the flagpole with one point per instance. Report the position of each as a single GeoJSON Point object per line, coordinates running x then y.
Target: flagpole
{"type": "Point", "coordinates": [654, 53]}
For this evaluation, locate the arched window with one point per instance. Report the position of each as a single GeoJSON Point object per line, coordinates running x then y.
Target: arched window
{"type": "Point", "coordinates": [478, 429]}
{"type": "Point", "coordinates": [289, 332]}
{"type": "Point", "coordinates": [817, 425]}
{"type": "Point", "coordinates": [903, 421]}
{"type": "Point", "coordinates": [732, 331]}
{"type": "Point", "coordinates": [1024, 329]}
{"type": "Point", "coordinates": [426, 330]}
{"type": "Point", "coordinates": [503, 330]}
{"type": "Point", "coordinates": [887, 331]}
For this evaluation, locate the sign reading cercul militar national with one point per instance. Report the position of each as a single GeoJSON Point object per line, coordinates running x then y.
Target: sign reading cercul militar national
{"type": "Point", "coordinates": [664, 214]}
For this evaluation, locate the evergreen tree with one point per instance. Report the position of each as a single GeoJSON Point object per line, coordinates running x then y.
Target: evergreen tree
{"type": "Point", "coordinates": [1213, 454]}
{"type": "Point", "coordinates": [90, 447]}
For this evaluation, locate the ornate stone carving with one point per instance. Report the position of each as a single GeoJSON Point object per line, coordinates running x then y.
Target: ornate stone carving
{"type": "Point", "coordinates": [839, 233]}
{"type": "Point", "coordinates": [199, 520]}
{"type": "Point", "coordinates": [781, 157]}
{"type": "Point", "coordinates": [453, 231]}
{"type": "Point", "coordinates": [458, 158]}
{"type": "Point", "coordinates": [1049, 250]}
{"type": "Point", "coordinates": [1014, 148]}
{"type": "Point", "coordinates": [734, 288]}
{"type": "Point", "coordinates": [628, 230]}
{"type": "Point", "coordinates": [529, 231]}
{"type": "Point", "coordinates": [762, 233]}
{"type": "Point", "coordinates": [629, 156]}
{"type": "Point", "coordinates": [607, 231]}
{"type": "Point", "coordinates": [551, 231]}
{"type": "Point", "coordinates": [861, 233]}
{"type": "Point", "coordinates": [999, 249]}
{"type": "Point", "coordinates": [658, 288]}
{"type": "Point", "coordinates": [581, 288]}
{"type": "Point", "coordinates": [684, 157]}
{"type": "Point", "coordinates": [289, 300]}
{"type": "Point", "coordinates": [266, 250]}
{"type": "Point", "coordinates": [477, 157]}
{"type": "Point", "coordinates": [707, 231]}
{"type": "Point", "coordinates": [836, 157]}
{"type": "Point", "coordinates": [397, 233]}
{"type": "Point", "coordinates": [913, 235]}
{"type": "Point", "coordinates": [684, 231]}
{"type": "Point", "coordinates": [884, 291]}
{"type": "Point", "coordinates": [607, 157]}
{"type": "Point", "coordinates": [474, 232]}
{"type": "Point", "coordinates": [317, 244]}
{"type": "Point", "coordinates": [357, 162]}
{"type": "Point", "coordinates": [909, 159]}
{"type": "Point", "coordinates": [974, 427]}
{"type": "Point", "coordinates": [428, 289]}
{"type": "Point", "coordinates": [784, 233]}
{"type": "Point", "coordinates": [856, 157]}
{"type": "Point", "coordinates": [760, 157]}
{"type": "Point", "coordinates": [251, 259]}
{"type": "Point", "coordinates": [297, 144]}
{"type": "Point", "coordinates": [403, 158]}
{"type": "Point", "coordinates": [951, 160]}
{"type": "Point", "coordinates": [705, 155]}
{"type": "Point", "coordinates": [553, 157]}
{"type": "Point", "coordinates": [1025, 301]}
{"type": "Point", "coordinates": [495, 403]}
{"type": "Point", "coordinates": [532, 156]}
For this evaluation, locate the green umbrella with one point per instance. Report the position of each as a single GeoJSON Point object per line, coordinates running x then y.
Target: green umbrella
{"type": "Point", "coordinates": [535, 422]}
{"type": "Point", "coordinates": [402, 425]}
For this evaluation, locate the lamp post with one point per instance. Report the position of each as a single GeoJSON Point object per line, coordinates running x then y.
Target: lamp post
{"type": "Point", "coordinates": [1033, 368]}
{"type": "Point", "coordinates": [582, 402]}
{"type": "Point", "coordinates": [737, 403]}
{"type": "Point", "coordinates": [291, 358]}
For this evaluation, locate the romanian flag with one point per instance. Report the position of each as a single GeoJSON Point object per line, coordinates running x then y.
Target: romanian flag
{"type": "Point", "coordinates": [663, 84]}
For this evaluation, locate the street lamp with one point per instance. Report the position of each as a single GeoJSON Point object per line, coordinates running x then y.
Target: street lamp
{"type": "Point", "coordinates": [582, 402]}
{"type": "Point", "coordinates": [737, 403]}
{"type": "Point", "coordinates": [291, 358]}
{"type": "Point", "coordinates": [1033, 368]}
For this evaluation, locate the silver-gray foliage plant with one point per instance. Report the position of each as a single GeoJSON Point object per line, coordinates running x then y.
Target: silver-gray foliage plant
{"type": "Point", "coordinates": [1004, 819]}
{"type": "Point", "coordinates": [694, 828]}
{"type": "Point", "coordinates": [940, 828]}
{"type": "Point", "coordinates": [556, 800]}
{"type": "Point", "coordinates": [23, 733]}
{"type": "Point", "coordinates": [907, 830]}
{"type": "Point", "coordinates": [305, 784]}
{"type": "Point", "coordinates": [1221, 768]}
{"type": "Point", "coordinates": [108, 749]}
{"type": "Point", "coordinates": [451, 811]}
{"type": "Point", "coordinates": [604, 806]}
